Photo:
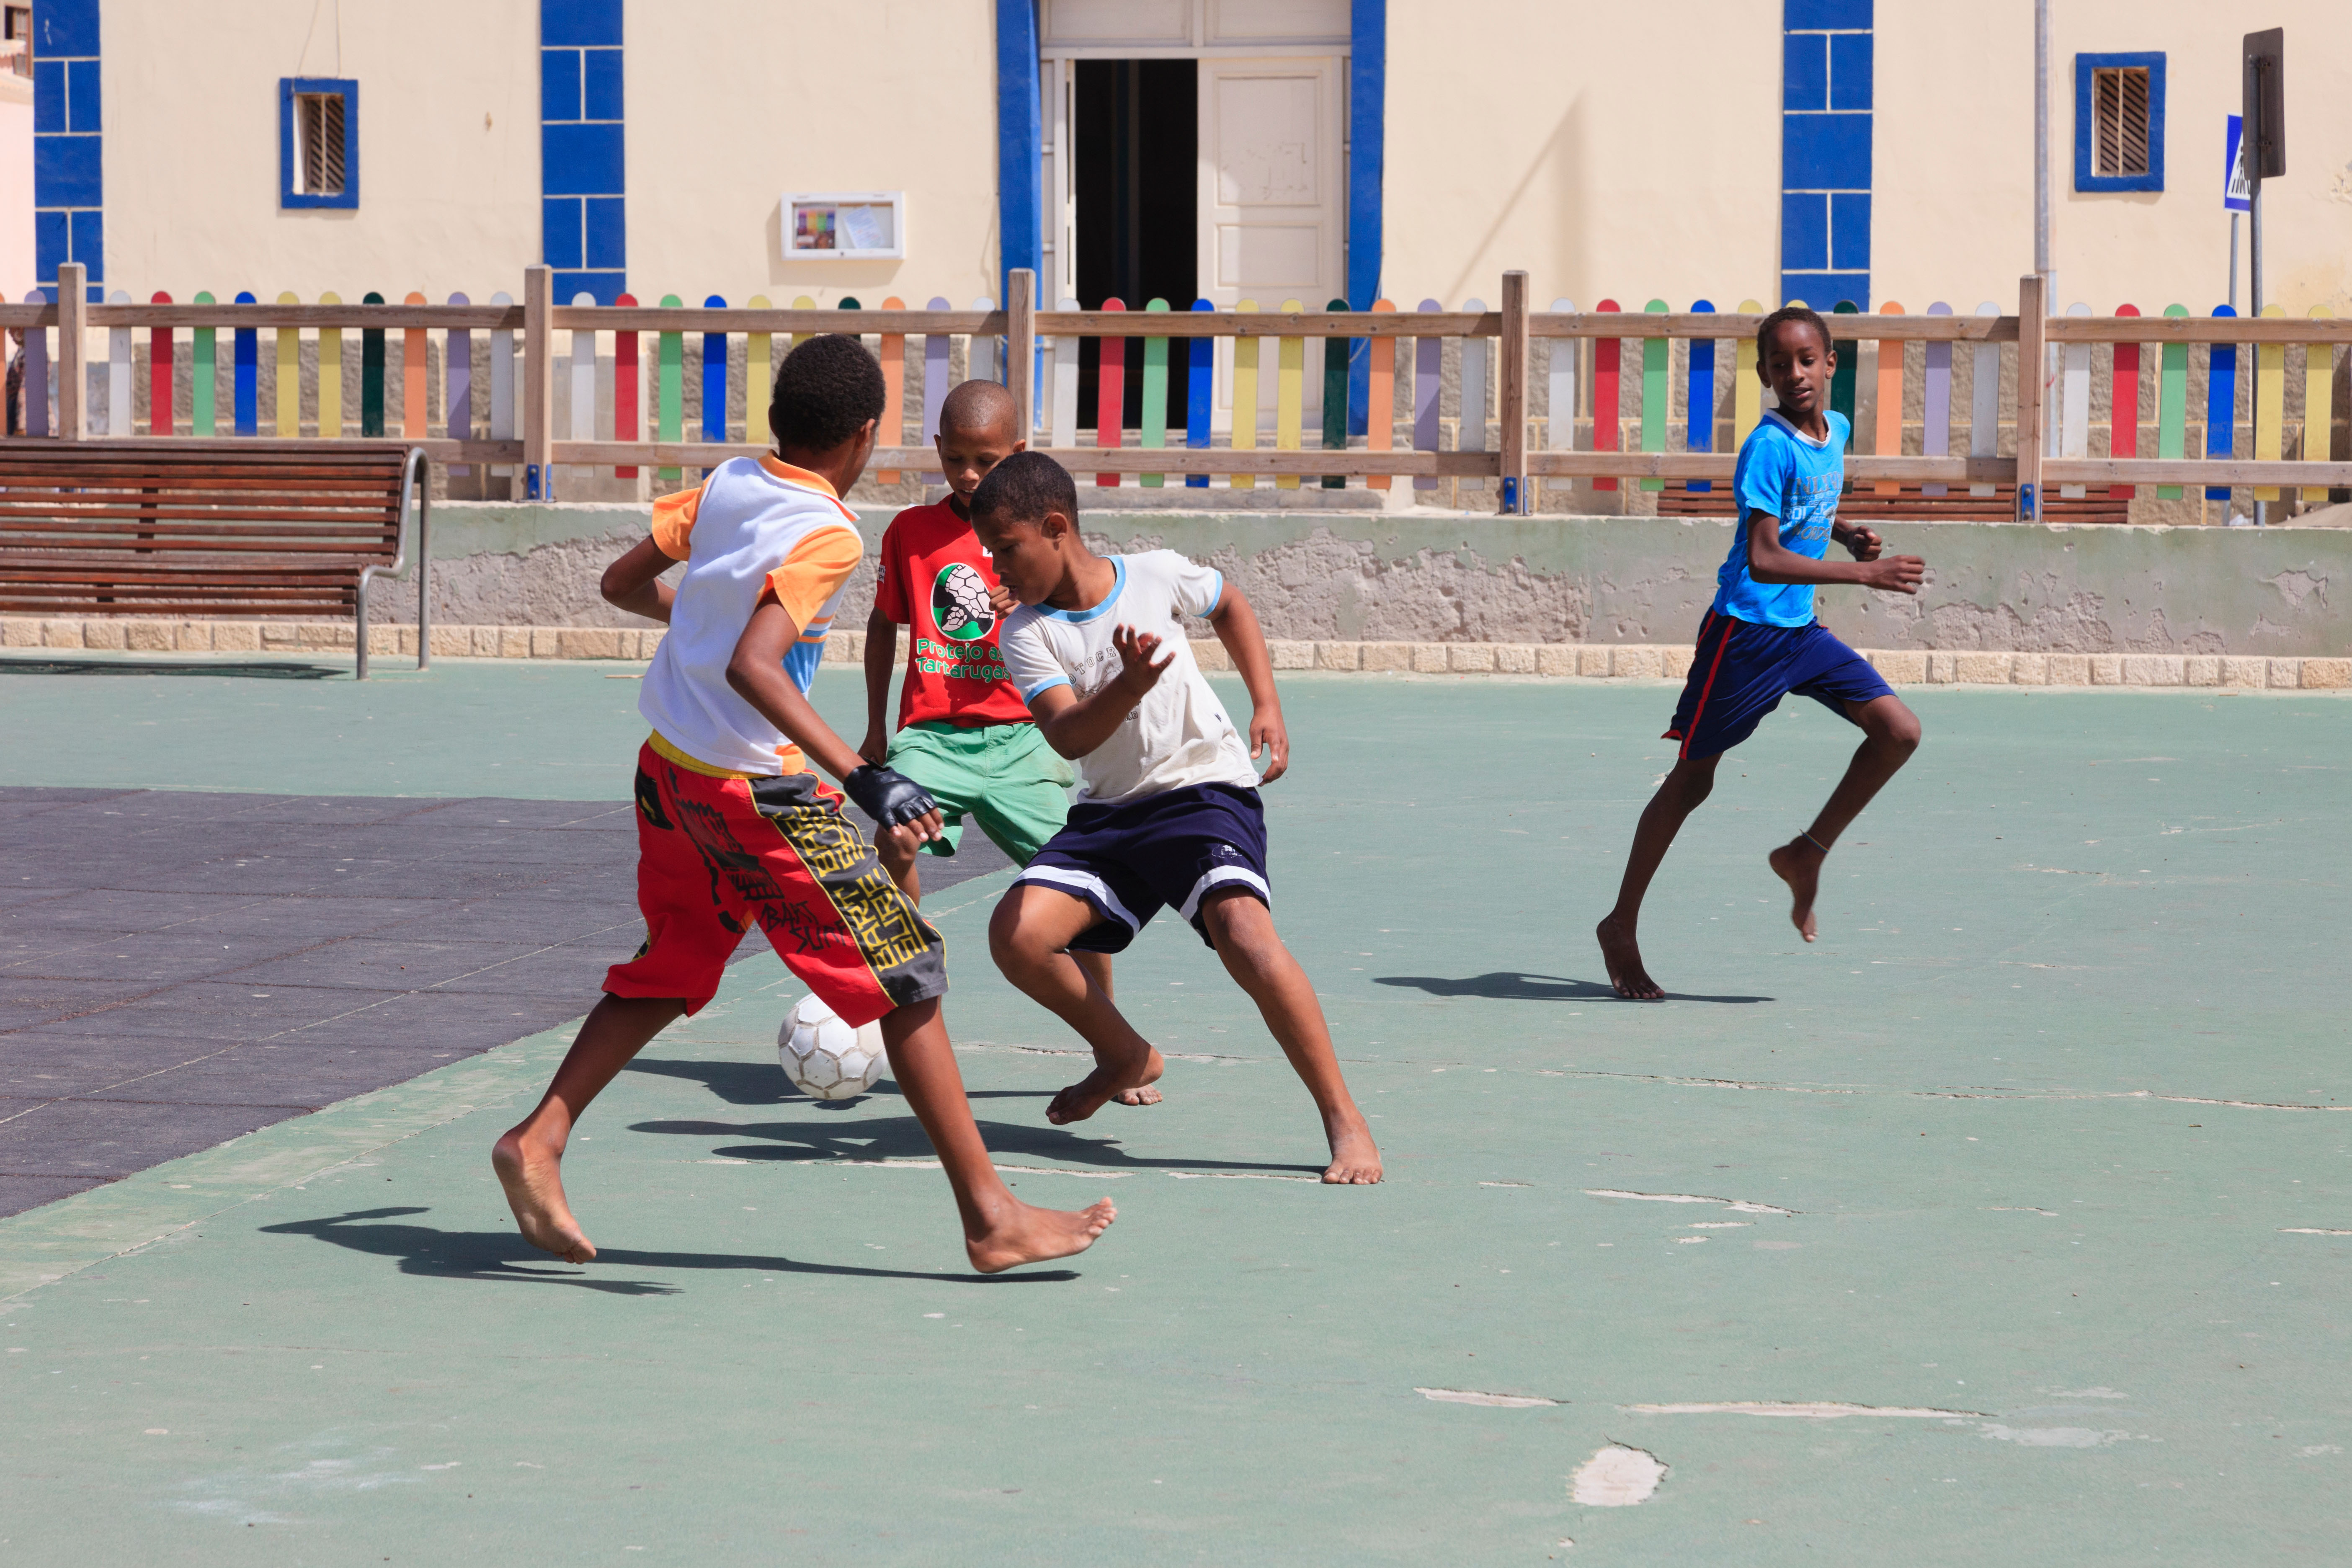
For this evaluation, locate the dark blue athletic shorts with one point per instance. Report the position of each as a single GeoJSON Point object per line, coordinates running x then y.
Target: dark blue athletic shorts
{"type": "Point", "coordinates": [1128, 858]}
{"type": "Point", "coordinates": [1741, 670]}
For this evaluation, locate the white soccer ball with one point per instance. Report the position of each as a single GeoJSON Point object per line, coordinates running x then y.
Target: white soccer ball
{"type": "Point", "coordinates": [824, 1056]}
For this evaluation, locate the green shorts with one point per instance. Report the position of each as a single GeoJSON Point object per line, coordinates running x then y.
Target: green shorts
{"type": "Point", "coordinates": [1003, 775]}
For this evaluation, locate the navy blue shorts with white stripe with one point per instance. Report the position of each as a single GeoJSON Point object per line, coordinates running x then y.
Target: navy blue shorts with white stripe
{"type": "Point", "coordinates": [1740, 672]}
{"type": "Point", "coordinates": [1128, 858]}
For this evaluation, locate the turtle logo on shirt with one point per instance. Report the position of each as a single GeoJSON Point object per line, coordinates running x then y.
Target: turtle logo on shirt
{"type": "Point", "coordinates": [959, 606]}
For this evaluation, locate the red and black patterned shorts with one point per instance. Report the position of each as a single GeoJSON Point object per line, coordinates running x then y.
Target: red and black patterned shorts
{"type": "Point", "coordinates": [715, 853]}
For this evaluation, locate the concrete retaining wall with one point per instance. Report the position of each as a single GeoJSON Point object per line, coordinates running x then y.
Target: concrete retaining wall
{"type": "Point", "coordinates": [1445, 578]}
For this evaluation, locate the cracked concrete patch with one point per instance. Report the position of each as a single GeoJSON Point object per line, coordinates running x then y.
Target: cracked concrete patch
{"type": "Point", "coordinates": [1499, 1401]}
{"type": "Point", "coordinates": [1616, 1477]}
{"type": "Point", "coordinates": [1736, 1206]}
{"type": "Point", "coordinates": [1805, 1410]}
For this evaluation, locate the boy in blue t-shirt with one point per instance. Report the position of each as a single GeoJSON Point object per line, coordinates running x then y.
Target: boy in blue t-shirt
{"type": "Point", "coordinates": [1759, 642]}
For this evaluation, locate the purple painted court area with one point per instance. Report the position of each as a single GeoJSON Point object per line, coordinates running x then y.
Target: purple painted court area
{"type": "Point", "coordinates": [178, 969]}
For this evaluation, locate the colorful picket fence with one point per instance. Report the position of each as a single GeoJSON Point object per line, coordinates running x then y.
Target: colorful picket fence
{"type": "Point", "coordinates": [1620, 404]}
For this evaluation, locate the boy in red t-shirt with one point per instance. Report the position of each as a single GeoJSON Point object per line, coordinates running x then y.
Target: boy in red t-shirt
{"type": "Point", "coordinates": [963, 733]}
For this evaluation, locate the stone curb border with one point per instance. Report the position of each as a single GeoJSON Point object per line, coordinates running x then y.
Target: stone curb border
{"type": "Point", "coordinates": [1630, 661]}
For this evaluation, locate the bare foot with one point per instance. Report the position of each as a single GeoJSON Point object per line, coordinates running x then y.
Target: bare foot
{"type": "Point", "coordinates": [1798, 864]}
{"type": "Point", "coordinates": [1355, 1158]}
{"type": "Point", "coordinates": [1108, 1082]}
{"type": "Point", "coordinates": [1025, 1234]}
{"type": "Point", "coordinates": [1623, 956]}
{"type": "Point", "coordinates": [533, 1179]}
{"type": "Point", "coordinates": [1143, 1093]}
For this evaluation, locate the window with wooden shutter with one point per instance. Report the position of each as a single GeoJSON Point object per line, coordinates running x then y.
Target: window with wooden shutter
{"type": "Point", "coordinates": [2119, 122]}
{"type": "Point", "coordinates": [2119, 100]}
{"type": "Point", "coordinates": [318, 142]}
{"type": "Point", "coordinates": [318, 118]}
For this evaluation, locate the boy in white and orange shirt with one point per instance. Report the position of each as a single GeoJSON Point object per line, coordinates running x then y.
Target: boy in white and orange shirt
{"type": "Point", "coordinates": [733, 828]}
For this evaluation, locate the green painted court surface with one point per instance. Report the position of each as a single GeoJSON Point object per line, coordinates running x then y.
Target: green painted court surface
{"type": "Point", "coordinates": [2039, 1156]}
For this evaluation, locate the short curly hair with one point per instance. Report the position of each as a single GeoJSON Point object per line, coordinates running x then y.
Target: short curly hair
{"type": "Point", "coordinates": [827, 388]}
{"type": "Point", "coordinates": [1024, 489]}
{"type": "Point", "coordinates": [1781, 318]}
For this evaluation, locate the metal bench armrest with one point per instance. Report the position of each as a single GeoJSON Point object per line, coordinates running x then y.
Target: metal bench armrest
{"type": "Point", "coordinates": [415, 483]}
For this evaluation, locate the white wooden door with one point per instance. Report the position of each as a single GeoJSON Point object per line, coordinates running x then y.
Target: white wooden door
{"type": "Point", "coordinates": [1272, 210]}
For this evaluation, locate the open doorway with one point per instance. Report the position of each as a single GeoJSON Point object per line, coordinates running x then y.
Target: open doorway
{"type": "Point", "coordinates": [1135, 181]}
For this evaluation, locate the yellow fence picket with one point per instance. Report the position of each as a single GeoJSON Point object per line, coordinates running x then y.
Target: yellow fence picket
{"type": "Point", "coordinates": [1245, 391]}
{"type": "Point", "coordinates": [2318, 405]}
{"type": "Point", "coordinates": [290, 376]}
{"type": "Point", "coordinates": [1289, 397]}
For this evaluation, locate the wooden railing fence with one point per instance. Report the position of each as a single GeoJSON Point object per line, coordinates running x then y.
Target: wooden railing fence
{"type": "Point", "coordinates": [1036, 354]}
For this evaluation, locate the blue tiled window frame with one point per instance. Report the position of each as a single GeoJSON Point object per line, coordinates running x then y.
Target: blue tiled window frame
{"type": "Point", "coordinates": [2086, 125]}
{"type": "Point", "coordinates": [289, 88]}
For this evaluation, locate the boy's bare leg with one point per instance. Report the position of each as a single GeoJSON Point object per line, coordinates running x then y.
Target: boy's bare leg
{"type": "Point", "coordinates": [1890, 733]}
{"type": "Point", "coordinates": [1684, 789]}
{"type": "Point", "coordinates": [999, 1231]}
{"type": "Point", "coordinates": [1027, 936]}
{"type": "Point", "coordinates": [1242, 929]}
{"type": "Point", "coordinates": [529, 1159]}
{"type": "Point", "coordinates": [1097, 968]}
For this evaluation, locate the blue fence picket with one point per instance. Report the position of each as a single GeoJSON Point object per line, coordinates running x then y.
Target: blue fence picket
{"type": "Point", "coordinates": [714, 377]}
{"type": "Point", "coordinates": [1200, 394]}
{"type": "Point", "coordinates": [1700, 437]}
{"type": "Point", "coordinates": [249, 374]}
{"type": "Point", "coordinates": [2221, 405]}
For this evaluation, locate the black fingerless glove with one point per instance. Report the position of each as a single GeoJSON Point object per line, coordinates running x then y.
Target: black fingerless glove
{"type": "Point", "coordinates": [891, 799]}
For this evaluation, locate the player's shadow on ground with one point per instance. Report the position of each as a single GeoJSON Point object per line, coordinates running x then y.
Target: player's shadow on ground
{"type": "Point", "coordinates": [265, 671]}
{"type": "Point", "coordinates": [502, 1258]}
{"type": "Point", "coordinates": [764, 1083]}
{"type": "Point", "coordinates": [1509, 985]}
{"type": "Point", "coordinates": [870, 1140]}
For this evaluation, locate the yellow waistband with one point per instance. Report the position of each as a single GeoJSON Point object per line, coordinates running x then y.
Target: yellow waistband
{"type": "Point", "coordinates": [691, 764]}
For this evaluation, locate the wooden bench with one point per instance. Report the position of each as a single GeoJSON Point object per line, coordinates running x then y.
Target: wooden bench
{"type": "Point", "coordinates": [275, 530]}
{"type": "Point", "coordinates": [1862, 503]}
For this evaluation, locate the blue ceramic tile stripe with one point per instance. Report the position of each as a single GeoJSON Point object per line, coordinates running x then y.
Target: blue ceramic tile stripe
{"type": "Point", "coordinates": [1827, 95]}
{"type": "Point", "coordinates": [584, 179]}
{"type": "Point", "coordinates": [1368, 43]}
{"type": "Point", "coordinates": [1020, 147]}
{"type": "Point", "coordinates": [69, 176]}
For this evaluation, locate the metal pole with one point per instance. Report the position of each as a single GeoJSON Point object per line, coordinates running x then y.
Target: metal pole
{"type": "Point", "coordinates": [2042, 137]}
{"type": "Point", "coordinates": [2254, 300]}
{"type": "Point", "coordinates": [2042, 264]}
{"type": "Point", "coordinates": [2234, 260]}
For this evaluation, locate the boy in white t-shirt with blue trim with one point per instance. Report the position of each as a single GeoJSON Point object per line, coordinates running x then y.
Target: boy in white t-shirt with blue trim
{"type": "Point", "coordinates": [1760, 642]}
{"type": "Point", "coordinates": [1167, 810]}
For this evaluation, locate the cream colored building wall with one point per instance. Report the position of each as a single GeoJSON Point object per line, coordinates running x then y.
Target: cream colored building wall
{"type": "Point", "coordinates": [448, 148]}
{"type": "Point", "coordinates": [15, 184]}
{"type": "Point", "coordinates": [1953, 208]}
{"type": "Point", "coordinates": [733, 102]}
{"type": "Point", "coordinates": [1620, 152]}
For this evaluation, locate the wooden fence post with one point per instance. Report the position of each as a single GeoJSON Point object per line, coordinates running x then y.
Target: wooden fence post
{"type": "Point", "coordinates": [538, 382]}
{"type": "Point", "coordinates": [1511, 401]}
{"type": "Point", "coordinates": [2032, 341]}
{"type": "Point", "coordinates": [1020, 345]}
{"type": "Point", "coordinates": [72, 373]}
